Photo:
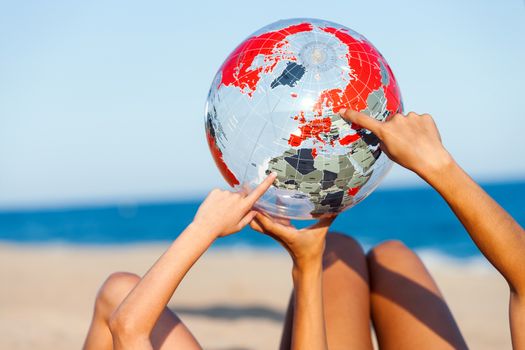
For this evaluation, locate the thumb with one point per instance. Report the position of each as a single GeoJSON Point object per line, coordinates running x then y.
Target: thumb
{"type": "Point", "coordinates": [247, 219]}
{"type": "Point", "coordinates": [324, 223]}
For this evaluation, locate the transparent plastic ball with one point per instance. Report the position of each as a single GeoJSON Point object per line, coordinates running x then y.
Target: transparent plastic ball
{"type": "Point", "coordinates": [274, 106]}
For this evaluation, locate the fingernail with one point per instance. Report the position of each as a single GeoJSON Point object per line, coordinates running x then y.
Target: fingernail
{"type": "Point", "coordinates": [342, 111]}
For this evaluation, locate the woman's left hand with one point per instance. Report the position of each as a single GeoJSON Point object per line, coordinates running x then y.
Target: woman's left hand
{"type": "Point", "coordinates": [306, 246]}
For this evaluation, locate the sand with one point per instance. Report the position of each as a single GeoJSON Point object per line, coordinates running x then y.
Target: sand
{"type": "Point", "coordinates": [231, 299]}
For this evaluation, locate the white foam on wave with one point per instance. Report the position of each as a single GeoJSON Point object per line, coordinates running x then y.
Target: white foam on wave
{"type": "Point", "coordinates": [434, 258]}
{"type": "Point", "coordinates": [438, 258]}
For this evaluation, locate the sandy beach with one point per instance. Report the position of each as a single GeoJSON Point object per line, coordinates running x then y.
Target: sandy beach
{"type": "Point", "coordinates": [231, 299]}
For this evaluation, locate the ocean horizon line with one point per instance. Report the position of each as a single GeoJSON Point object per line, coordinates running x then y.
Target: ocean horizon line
{"type": "Point", "coordinates": [418, 216]}
{"type": "Point", "coordinates": [191, 197]}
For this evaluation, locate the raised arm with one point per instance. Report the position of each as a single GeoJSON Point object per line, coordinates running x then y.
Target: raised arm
{"type": "Point", "coordinates": [306, 248]}
{"type": "Point", "coordinates": [222, 213]}
{"type": "Point", "coordinates": [414, 142]}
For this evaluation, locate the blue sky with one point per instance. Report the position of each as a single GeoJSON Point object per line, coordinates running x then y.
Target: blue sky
{"type": "Point", "coordinates": [103, 101]}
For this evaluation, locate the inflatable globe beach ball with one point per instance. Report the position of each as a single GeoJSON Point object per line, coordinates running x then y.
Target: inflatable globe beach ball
{"type": "Point", "coordinates": [273, 107]}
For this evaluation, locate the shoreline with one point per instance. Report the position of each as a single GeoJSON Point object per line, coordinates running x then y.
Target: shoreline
{"type": "Point", "coordinates": [430, 255]}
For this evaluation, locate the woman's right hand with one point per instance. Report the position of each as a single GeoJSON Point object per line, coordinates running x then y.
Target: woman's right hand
{"type": "Point", "coordinates": [412, 141]}
{"type": "Point", "coordinates": [306, 246]}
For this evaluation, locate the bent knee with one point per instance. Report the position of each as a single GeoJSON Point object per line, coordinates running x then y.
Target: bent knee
{"type": "Point", "coordinates": [115, 288]}
{"type": "Point", "coordinates": [389, 251]}
{"type": "Point", "coordinates": [341, 243]}
{"type": "Point", "coordinates": [341, 247]}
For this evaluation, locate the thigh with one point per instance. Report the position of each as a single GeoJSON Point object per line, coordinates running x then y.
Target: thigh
{"type": "Point", "coordinates": [345, 296]}
{"type": "Point", "coordinates": [408, 310]}
{"type": "Point", "coordinates": [169, 331]}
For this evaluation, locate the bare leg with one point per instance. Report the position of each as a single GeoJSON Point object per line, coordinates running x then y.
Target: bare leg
{"type": "Point", "coordinates": [345, 296]}
{"type": "Point", "coordinates": [408, 310]}
{"type": "Point", "coordinates": [168, 332]}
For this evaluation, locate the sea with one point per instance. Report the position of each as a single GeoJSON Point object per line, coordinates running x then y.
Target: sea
{"type": "Point", "coordinates": [417, 216]}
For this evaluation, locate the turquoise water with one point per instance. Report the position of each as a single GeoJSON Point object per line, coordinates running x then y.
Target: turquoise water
{"type": "Point", "coordinates": [418, 217]}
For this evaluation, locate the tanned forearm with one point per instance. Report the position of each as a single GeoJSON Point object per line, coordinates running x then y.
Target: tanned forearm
{"type": "Point", "coordinates": [308, 326]}
{"type": "Point", "coordinates": [222, 213]}
{"type": "Point", "coordinates": [499, 237]}
{"type": "Point", "coordinates": [306, 247]}
{"type": "Point", "coordinates": [413, 141]}
{"type": "Point", "coordinates": [139, 312]}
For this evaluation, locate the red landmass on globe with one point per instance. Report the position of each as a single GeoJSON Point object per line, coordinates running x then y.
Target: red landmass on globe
{"type": "Point", "coordinates": [313, 129]}
{"type": "Point", "coordinates": [310, 129]}
{"type": "Point", "coordinates": [217, 156]}
{"type": "Point", "coordinates": [352, 191]}
{"type": "Point", "coordinates": [363, 78]}
{"type": "Point", "coordinates": [348, 139]}
{"type": "Point", "coordinates": [237, 71]}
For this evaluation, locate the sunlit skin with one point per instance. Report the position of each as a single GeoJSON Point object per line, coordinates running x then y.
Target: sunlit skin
{"type": "Point", "coordinates": [338, 290]}
{"type": "Point", "coordinates": [306, 247]}
{"type": "Point", "coordinates": [131, 324]}
{"type": "Point", "coordinates": [413, 141]}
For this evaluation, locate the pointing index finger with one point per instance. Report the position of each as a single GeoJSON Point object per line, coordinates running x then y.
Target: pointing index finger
{"type": "Point", "coordinates": [363, 120]}
{"type": "Point", "coordinates": [261, 189]}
